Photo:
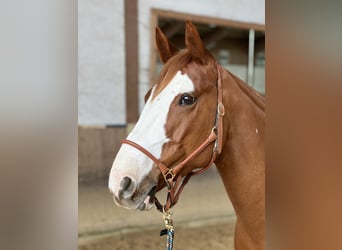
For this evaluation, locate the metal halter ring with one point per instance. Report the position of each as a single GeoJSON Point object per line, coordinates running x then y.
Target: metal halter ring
{"type": "Point", "coordinates": [220, 109]}
{"type": "Point", "coordinates": [169, 175]}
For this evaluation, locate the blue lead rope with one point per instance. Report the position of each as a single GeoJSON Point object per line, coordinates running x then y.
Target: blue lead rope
{"type": "Point", "coordinates": [169, 240]}
{"type": "Point", "coordinates": [169, 230]}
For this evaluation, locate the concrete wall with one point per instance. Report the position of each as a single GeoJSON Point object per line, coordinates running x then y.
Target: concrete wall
{"type": "Point", "coordinates": [101, 62]}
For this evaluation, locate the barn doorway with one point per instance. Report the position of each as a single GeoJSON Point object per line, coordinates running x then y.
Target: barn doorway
{"type": "Point", "coordinates": [239, 47]}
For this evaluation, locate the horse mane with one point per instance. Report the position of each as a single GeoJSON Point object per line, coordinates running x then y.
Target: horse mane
{"type": "Point", "coordinates": [255, 96]}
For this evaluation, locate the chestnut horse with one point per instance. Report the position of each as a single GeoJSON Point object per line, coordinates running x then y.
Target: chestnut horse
{"type": "Point", "coordinates": [196, 113]}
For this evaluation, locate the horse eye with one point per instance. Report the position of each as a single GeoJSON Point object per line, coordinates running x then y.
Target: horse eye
{"type": "Point", "coordinates": [186, 99]}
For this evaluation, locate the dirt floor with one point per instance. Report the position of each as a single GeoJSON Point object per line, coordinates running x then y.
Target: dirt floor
{"type": "Point", "coordinates": [203, 219]}
{"type": "Point", "coordinates": [205, 237]}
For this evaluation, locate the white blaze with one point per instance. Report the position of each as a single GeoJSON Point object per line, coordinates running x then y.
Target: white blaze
{"type": "Point", "coordinates": [149, 132]}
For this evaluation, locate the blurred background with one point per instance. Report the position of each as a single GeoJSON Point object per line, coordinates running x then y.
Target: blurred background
{"type": "Point", "coordinates": [117, 64]}
{"type": "Point", "coordinates": [47, 47]}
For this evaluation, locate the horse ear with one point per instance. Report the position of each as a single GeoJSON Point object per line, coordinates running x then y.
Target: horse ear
{"type": "Point", "coordinates": [165, 48]}
{"type": "Point", "coordinates": [194, 43]}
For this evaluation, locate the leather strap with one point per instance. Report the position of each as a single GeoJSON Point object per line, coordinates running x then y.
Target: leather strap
{"type": "Point", "coordinates": [172, 176]}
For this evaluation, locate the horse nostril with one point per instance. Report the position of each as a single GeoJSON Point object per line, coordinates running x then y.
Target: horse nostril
{"type": "Point", "coordinates": [125, 183]}
{"type": "Point", "coordinates": [127, 186]}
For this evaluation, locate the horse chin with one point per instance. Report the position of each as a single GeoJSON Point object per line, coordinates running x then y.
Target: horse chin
{"type": "Point", "coordinates": [148, 202]}
{"type": "Point", "coordinates": [143, 204]}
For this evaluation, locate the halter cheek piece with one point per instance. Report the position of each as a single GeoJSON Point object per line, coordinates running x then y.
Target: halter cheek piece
{"type": "Point", "coordinates": [172, 176]}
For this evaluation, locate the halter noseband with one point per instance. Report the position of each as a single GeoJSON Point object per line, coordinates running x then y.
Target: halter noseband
{"type": "Point", "coordinates": [172, 176]}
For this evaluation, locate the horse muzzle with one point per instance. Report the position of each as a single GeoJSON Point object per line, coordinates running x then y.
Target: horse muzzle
{"type": "Point", "coordinates": [129, 194]}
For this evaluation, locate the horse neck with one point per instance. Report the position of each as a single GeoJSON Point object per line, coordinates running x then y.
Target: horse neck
{"type": "Point", "coordinates": [242, 161]}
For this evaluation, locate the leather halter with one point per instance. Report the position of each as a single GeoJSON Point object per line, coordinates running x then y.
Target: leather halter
{"type": "Point", "coordinates": [172, 176]}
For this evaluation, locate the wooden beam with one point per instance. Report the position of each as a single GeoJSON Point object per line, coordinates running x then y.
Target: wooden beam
{"type": "Point", "coordinates": [153, 48]}
{"type": "Point", "coordinates": [131, 42]}
{"type": "Point", "coordinates": [206, 19]}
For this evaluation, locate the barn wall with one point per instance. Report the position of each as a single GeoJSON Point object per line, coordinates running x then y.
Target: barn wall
{"type": "Point", "coordinates": [97, 148]}
{"type": "Point", "coordinates": [249, 11]}
{"type": "Point", "coordinates": [101, 62]}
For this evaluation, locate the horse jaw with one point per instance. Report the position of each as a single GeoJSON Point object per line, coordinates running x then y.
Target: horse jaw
{"type": "Point", "coordinates": [149, 133]}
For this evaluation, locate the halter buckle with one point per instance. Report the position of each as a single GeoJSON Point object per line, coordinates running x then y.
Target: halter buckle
{"type": "Point", "coordinates": [169, 174]}
{"type": "Point", "coordinates": [220, 109]}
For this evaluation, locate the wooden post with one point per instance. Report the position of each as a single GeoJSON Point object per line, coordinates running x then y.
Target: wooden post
{"type": "Point", "coordinates": [132, 66]}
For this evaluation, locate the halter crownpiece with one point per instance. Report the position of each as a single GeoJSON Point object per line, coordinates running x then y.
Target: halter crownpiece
{"type": "Point", "coordinates": [172, 176]}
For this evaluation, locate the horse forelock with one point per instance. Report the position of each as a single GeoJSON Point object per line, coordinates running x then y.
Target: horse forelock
{"type": "Point", "coordinates": [176, 63]}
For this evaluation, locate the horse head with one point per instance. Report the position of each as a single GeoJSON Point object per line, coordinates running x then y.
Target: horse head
{"type": "Point", "coordinates": [179, 114]}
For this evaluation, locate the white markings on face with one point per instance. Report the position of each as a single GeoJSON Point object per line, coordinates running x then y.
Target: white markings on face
{"type": "Point", "coordinates": [149, 132]}
{"type": "Point", "coordinates": [256, 131]}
